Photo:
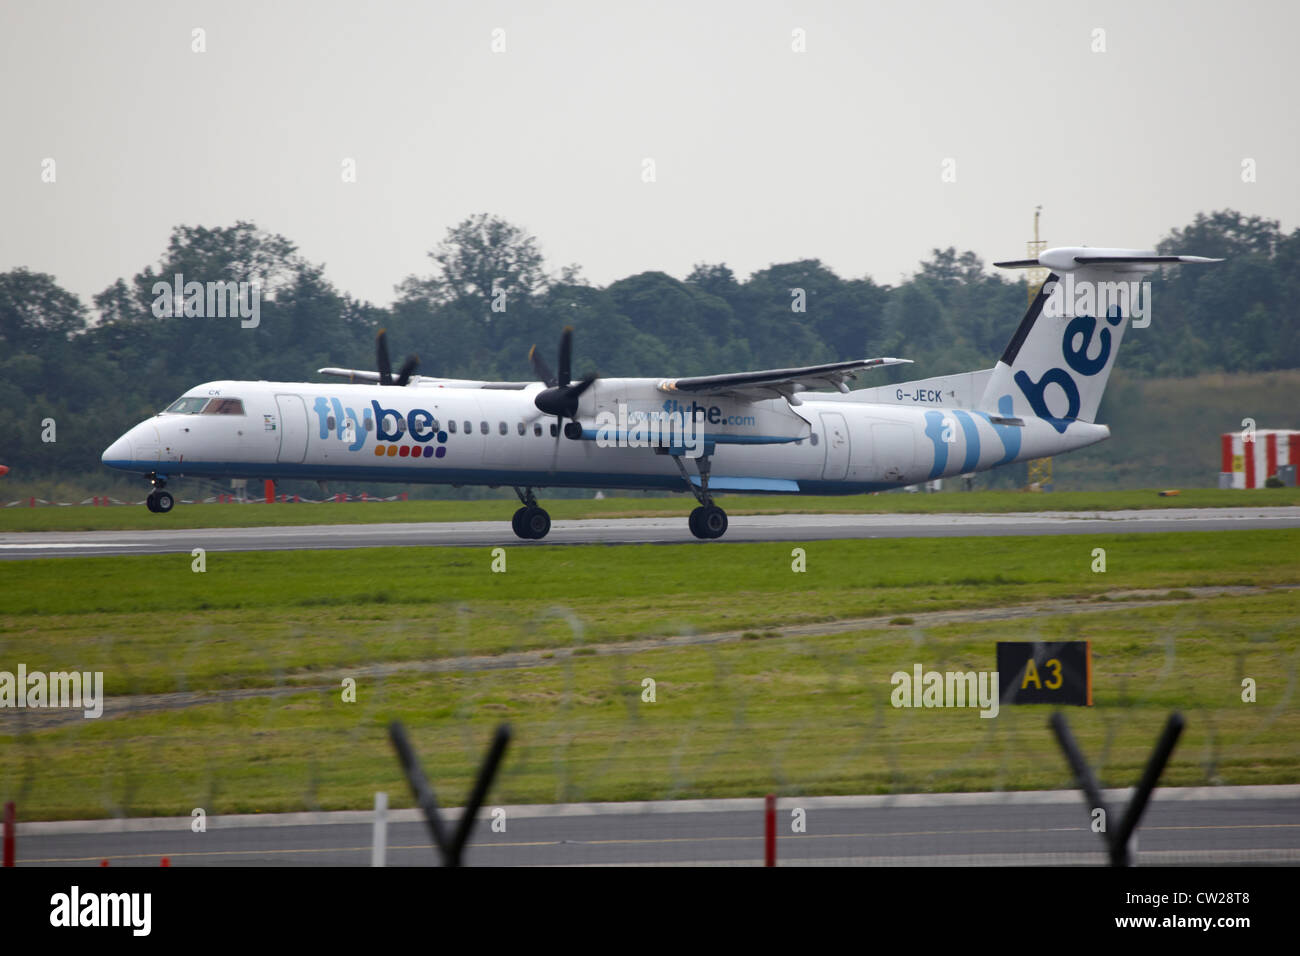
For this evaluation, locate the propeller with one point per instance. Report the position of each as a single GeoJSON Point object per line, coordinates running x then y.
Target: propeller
{"type": "Point", "coordinates": [561, 395]}
{"type": "Point", "coordinates": [386, 367]}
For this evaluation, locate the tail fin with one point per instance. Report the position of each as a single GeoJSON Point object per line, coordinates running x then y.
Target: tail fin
{"type": "Point", "coordinates": [1056, 365]}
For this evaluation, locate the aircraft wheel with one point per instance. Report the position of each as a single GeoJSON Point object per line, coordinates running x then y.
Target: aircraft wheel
{"type": "Point", "coordinates": [151, 503]}
{"type": "Point", "coordinates": [712, 522]}
{"type": "Point", "coordinates": [694, 522]}
{"type": "Point", "coordinates": [536, 522]}
{"type": "Point", "coordinates": [163, 502]}
{"type": "Point", "coordinates": [517, 523]}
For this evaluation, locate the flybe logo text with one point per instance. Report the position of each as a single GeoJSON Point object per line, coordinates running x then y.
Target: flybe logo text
{"type": "Point", "coordinates": [389, 425]}
{"type": "Point", "coordinates": [712, 414]}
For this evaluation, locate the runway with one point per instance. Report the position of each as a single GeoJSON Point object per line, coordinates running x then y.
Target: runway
{"type": "Point", "coordinates": [1211, 826]}
{"type": "Point", "coordinates": [659, 530]}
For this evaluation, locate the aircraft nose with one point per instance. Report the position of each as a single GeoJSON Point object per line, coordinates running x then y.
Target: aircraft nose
{"type": "Point", "coordinates": [117, 454]}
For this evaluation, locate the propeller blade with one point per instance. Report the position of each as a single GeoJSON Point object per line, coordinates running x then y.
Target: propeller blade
{"type": "Point", "coordinates": [579, 387]}
{"type": "Point", "coordinates": [562, 400]}
{"type": "Point", "coordinates": [409, 366]}
{"type": "Point", "coordinates": [540, 368]}
{"type": "Point", "coordinates": [566, 356]}
{"type": "Point", "coordinates": [561, 395]}
{"type": "Point", "coordinates": [381, 358]}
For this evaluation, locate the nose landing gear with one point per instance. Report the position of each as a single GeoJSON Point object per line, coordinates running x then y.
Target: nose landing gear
{"type": "Point", "coordinates": [159, 501]}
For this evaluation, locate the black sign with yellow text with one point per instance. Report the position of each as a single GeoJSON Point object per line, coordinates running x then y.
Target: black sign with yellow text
{"type": "Point", "coordinates": [1039, 672]}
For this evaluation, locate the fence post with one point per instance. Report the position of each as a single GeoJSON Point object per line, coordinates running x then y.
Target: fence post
{"type": "Point", "coordinates": [450, 845]}
{"type": "Point", "coordinates": [769, 830]}
{"type": "Point", "coordinates": [1119, 841]}
{"type": "Point", "coordinates": [379, 846]}
{"type": "Point", "coordinates": [10, 826]}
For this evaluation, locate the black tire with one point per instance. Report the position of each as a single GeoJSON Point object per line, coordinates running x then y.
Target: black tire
{"type": "Point", "coordinates": [163, 501]}
{"type": "Point", "coordinates": [694, 523]}
{"type": "Point", "coordinates": [712, 522]}
{"type": "Point", "coordinates": [537, 523]}
{"type": "Point", "coordinates": [517, 523]}
{"type": "Point", "coordinates": [152, 502]}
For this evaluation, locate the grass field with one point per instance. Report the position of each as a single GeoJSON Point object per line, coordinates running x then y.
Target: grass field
{"type": "Point", "coordinates": [130, 518]}
{"type": "Point", "coordinates": [767, 710]}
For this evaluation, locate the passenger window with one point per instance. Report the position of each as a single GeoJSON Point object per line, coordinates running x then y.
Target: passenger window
{"type": "Point", "coordinates": [329, 422]}
{"type": "Point", "coordinates": [503, 428]}
{"type": "Point", "coordinates": [483, 427]}
{"type": "Point", "coordinates": [555, 430]}
{"type": "Point", "coordinates": [523, 429]}
{"type": "Point", "coordinates": [813, 438]}
{"type": "Point", "coordinates": [469, 428]}
{"type": "Point", "coordinates": [451, 426]}
{"type": "Point", "coordinates": [537, 429]}
{"type": "Point", "coordinates": [370, 423]}
{"type": "Point", "coordinates": [224, 406]}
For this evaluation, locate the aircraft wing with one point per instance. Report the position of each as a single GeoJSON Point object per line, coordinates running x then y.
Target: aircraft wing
{"type": "Point", "coordinates": [359, 375]}
{"type": "Point", "coordinates": [777, 382]}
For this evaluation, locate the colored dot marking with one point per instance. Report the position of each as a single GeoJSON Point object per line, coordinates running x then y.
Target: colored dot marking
{"type": "Point", "coordinates": [392, 450]}
{"type": "Point", "coordinates": [428, 451]}
{"type": "Point", "coordinates": [379, 450]}
{"type": "Point", "coordinates": [442, 450]}
{"type": "Point", "coordinates": [403, 451]}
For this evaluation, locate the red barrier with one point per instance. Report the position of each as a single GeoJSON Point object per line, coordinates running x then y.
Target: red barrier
{"type": "Point", "coordinates": [770, 831]}
{"type": "Point", "coordinates": [270, 491]}
{"type": "Point", "coordinates": [10, 826]}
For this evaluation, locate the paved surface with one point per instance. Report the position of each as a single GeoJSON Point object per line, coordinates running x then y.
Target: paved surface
{"type": "Point", "coordinates": [668, 530]}
{"type": "Point", "coordinates": [1215, 826]}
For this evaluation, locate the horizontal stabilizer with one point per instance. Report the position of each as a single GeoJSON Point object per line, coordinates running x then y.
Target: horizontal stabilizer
{"type": "Point", "coordinates": [1070, 258]}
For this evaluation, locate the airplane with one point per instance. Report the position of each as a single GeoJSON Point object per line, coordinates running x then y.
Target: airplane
{"type": "Point", "coordinates": [797, 431]}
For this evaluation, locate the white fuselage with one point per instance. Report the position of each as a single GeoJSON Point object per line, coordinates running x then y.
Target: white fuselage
{"type": "Point", "coordinates": [452, 434]}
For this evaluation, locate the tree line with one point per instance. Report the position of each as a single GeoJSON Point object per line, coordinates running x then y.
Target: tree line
{"type": "Point", "coordinates": [489, 295]}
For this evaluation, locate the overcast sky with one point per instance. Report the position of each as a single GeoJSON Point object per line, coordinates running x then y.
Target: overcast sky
{"type": "Point", "coordinates": [761, 154]}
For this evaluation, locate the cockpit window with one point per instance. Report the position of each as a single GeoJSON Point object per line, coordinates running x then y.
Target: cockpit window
{"type": "Point", "coordinates": [187, 405]}
{"type": "Point", "coordinates": [224, 406]}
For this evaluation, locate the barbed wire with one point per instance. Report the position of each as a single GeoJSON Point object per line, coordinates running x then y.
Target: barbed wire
{"type": "Point", "coordinates": [586, 751]}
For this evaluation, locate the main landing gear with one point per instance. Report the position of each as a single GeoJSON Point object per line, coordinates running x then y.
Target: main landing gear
{"type": "Point", "coordinates": [708, 520]}
{"type": "Point", "coordinates": [159, 502]}
{"type": "Point", "coordinates": [530, 522]}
